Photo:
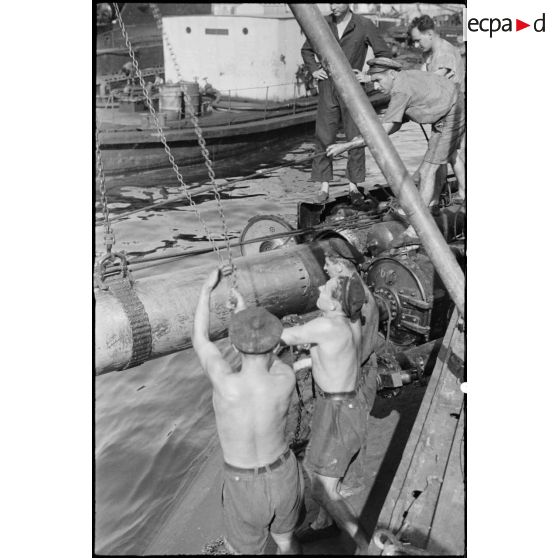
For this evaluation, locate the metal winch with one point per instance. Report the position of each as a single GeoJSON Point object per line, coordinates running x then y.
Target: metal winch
{"type": "Point", "coordinates": [413, 303]}
{"type": "Point", "coordinates": [410, 296]}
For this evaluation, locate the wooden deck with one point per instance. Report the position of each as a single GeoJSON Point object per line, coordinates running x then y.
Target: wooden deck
{"type": "Point", "coordinates": [425, 505]}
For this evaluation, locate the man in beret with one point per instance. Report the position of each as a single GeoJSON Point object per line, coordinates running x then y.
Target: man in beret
{"type": "Point", "coordinates": [340, 413]}
{"type": "Point", "coordinates": [342, 260]}
{"type": "Point", "coordinates": [355, 34]}
{"type": "Point", "coordinates": [425, 98]}
{"type": "Point", "coordinates": [263, 482]}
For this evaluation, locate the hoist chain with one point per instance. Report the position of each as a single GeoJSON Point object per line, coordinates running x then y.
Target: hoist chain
{"type": "Point", "coordinates": [301, 406]}
{"type": "Point", "coordinates": [162, 134]}
{"type": "Point", "coordinates": [201, 141]}
{"type": "Point", "coordinates": [109, 235]}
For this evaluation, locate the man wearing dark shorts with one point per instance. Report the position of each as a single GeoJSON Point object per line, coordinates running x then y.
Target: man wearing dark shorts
{"type": "Point", "coordinates": [425, 98]}
{"type": "Point", "coordinates": [263, 483]}
{"type": "Point", "coordinates": [340, 414]}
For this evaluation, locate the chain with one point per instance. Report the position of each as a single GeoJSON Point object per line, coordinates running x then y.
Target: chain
{"type": "Point", "coordinates": [162, 135]}
{"type": "Point", "coordinates": [296, 437]}
{"type": "Point", "coordinates": [201, 140]}
{"type": "Point", "coordinates": [109, 235]}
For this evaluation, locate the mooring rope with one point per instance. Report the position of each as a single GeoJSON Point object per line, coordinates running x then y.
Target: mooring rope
{"type": "Point", "coordinates": [360, 221]}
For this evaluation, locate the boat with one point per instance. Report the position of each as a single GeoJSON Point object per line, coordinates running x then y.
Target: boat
{"type": "Point", "coordinates": [419, 288]}
{"type": "Point", "coordinates": [235, 111]}
{"type": "Point", "coordinates": [131, 144]}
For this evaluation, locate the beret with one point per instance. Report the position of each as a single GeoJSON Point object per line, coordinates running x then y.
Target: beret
{"type": "Point", "coordinates": [353, 295]}
{"type": "Point", "coordinates": [255, 330]}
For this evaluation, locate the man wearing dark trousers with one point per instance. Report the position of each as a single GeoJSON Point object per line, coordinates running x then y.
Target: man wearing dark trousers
{"type": "Point", "coordinates": [355, 34]}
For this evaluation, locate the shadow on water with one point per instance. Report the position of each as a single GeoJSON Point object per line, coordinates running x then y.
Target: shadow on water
{"type": "Point", "coordinates": [267, 155]}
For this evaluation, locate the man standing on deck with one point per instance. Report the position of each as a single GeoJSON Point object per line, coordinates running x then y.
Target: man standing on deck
{"type": "Point", "coordinates": [340, 412]}
{"type": "Point", "coordinates": [263, 482]}
{"type": "Point", "coordinates": [442, 58]}
{"type": "Point", "coordinates": [425, 98]}
{"type": "Point", "coordinates": [354, 33]}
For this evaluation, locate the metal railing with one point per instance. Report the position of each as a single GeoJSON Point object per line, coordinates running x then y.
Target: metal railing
{"type": "Point", "coordinates": [239, 95]}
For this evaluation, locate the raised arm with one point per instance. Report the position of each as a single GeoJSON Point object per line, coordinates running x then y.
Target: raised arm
{"type": "Point", "coordinates": [210, 357]}
{"type": "Point", "coordinates": [315, 331]}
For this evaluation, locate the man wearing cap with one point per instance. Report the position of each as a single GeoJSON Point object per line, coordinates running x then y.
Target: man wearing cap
{"type": "Point", "coordinates": [355, 34]}
{"type": "Point", "coordinates": [342, 260]}
{"type": "Point", "coordinates": [340, 413]}
{"type": "Point", "coordinates": [263, 482]}
{"type": "Point", "coordinates": [425, 98]}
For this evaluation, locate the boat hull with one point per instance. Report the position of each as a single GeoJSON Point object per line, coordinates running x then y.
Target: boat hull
{"type": "Point", "coordinates": [133, 156]}
{"type": "Point", "coordinates": [132, 149]}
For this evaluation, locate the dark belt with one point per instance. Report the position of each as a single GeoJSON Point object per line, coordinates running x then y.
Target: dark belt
{"type": "Point", "coordinates": [339, 396]}
{"type": "Point", "coordinates": [264, 468]}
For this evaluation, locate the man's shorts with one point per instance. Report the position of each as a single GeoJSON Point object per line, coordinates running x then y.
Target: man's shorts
{"type": "Point", "coordinates": [338, 433]}
{"type": "Point", "coordinates": [447, 134]}
{"type": "Point", "coordinates": [256, 502]}
{"type": "Point", "coordinates": [369, 381]}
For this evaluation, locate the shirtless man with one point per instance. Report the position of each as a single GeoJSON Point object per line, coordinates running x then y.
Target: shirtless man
{"type": "Point", "coordinates": [339, 421]}
{"type": "Point", "coordinates": [263, 487]}
{"type": "Point", "coordinates": [341, 260]}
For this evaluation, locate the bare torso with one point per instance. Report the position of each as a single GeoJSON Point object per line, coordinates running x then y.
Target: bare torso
{"type": "Point", "coordinates": [335, 360]}
{"type": "Point", "coordinates": [251, 412]}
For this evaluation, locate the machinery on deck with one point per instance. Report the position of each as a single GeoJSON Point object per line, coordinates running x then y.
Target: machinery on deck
{"type": "Point", "coordinates": [414, 305]}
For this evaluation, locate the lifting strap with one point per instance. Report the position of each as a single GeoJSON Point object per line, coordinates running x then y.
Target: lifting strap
{"type": "Point", "coordinates": [122, 288]}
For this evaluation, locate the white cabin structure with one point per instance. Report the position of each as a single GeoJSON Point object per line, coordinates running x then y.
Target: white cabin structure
{"type": "Point", "coordinates": [252, 56]}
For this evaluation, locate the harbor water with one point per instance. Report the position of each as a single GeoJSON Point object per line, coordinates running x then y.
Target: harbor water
{"type": "Point", "coordinates": [154, 422]}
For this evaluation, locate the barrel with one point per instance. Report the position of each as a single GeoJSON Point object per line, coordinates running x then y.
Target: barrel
{"type": "Point", "coordinates": [193, 90]}
{"type": "Point", "coordinates": [171, 99]}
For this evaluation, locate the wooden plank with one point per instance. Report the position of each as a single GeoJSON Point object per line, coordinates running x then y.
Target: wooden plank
{"type": "Point", "coordinates": [410, 507]}
{"type": "Point", "coordinates": [448, 527]}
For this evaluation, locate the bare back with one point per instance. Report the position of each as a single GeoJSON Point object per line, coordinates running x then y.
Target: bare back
{"type": "Point", "coordinates": [251, 411]}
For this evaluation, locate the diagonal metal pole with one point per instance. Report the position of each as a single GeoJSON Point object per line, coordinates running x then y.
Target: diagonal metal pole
{"type": "Point", "coordinates": [335, 62]}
